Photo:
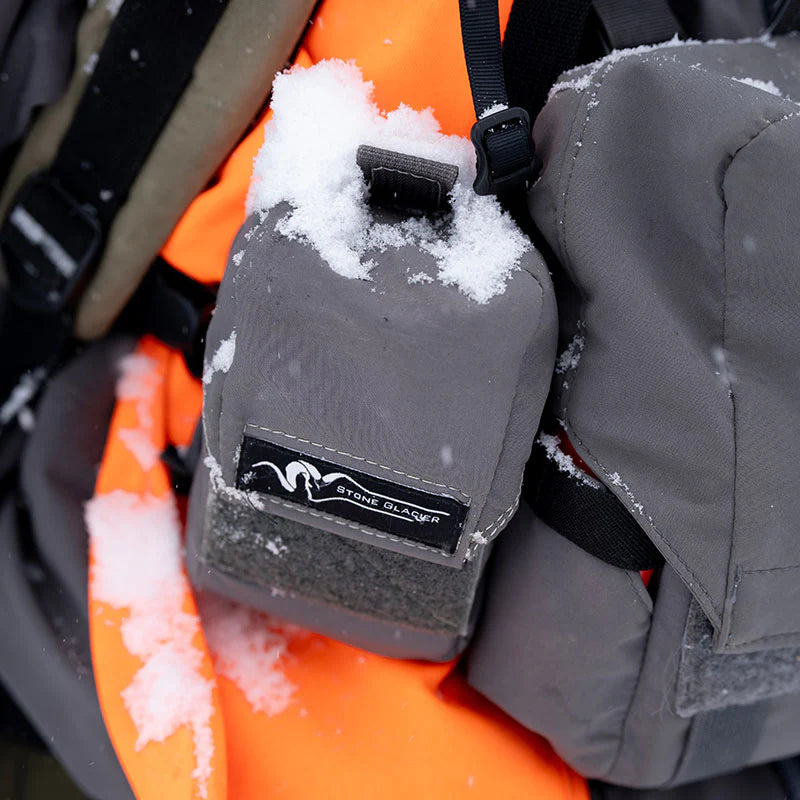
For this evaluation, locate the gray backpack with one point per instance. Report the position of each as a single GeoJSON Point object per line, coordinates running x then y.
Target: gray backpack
{"type": "Point", "coordinates": [642, 608]}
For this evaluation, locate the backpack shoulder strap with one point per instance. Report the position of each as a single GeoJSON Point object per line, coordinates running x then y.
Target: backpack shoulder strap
{"type": "Point", "coordinates": [546, 37]}
{"type": "Point", "coordinates": [54, 232]}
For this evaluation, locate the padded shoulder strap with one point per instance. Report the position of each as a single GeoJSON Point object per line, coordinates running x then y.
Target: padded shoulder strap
{"type": "Point", "coordinates": [57, 224]}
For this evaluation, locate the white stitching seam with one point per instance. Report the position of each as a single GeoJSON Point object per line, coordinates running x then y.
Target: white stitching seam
{"type": "Point", "coordinates": [359, 458]}
{"type": "Point", "coordinates": [490, 532]}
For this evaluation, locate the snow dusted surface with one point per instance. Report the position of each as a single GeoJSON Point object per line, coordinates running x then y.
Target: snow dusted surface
{"type": "Point", "coordinates": [584, 75]}
{"type": "Point", "coordinates": [139, 382]}
{"type": "Point", "coordinates": [311, 163]}
{"type": "Point", "coordinates": [571, 357]}
{"type": "Point", "coordinates": [222, 359]}
{"type": "Point", "coordinates": [249, 648]}
{"type": "Point", "coordinates": [765, 86]}
{"type": "Point", "coordinates": [137, 565]}
{"type": "Point", "coordinates": [563, 461]}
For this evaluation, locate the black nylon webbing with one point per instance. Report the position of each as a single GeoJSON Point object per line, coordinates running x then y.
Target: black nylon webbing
{"type": "Point", "coordinates": [546, 37]}
{"type": "Point", "coordinates": [480, 31]}
{"type": "Point", "coordinates": [144, 66]}
{"type": "Point", "coordinates": [591, 517]}
{"type": "Point", "coordinates": [786, 19]}
{"type": "Point", "coordinates": [501, 136]}
{"type": "Point", "coordinates": [630, 24]}
{"type": "Point", "coordinates": [543, 38]}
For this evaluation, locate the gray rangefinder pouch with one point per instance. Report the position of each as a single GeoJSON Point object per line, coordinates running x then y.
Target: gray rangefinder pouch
{"type": "Point", "coordinates": [364, 440]}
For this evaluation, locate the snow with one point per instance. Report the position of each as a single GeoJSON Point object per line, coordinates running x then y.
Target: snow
{"type": "Point", "coordinates": [765, 86]}
{"type": "Point", "coordinates": [137, 564]}
{"type": "Point", "coordinates": [420, 277]}
{"type": "Point", "coordinates": [138, 382]}
{"type": "Point", "coordinates": [496, 108]}
{"type": "Point", "coordinates": [140, 444]}
{"type": "Point", "coordinates": [311, 165]}
{"type": "Point", "coordinates": [218, 482]}
{"type": "Point", "coordinates": [222, 359]}
{"type": "Point", "coordinates": [571, 357]}
{"type": "Point", "coordinates": [237, 258]}
{"type": "Point", "coordinates": [138, 378]}
{"type": "Point", "coordinates": [564, 462]}
{"type": "Point", "coordinates": [250, 649]}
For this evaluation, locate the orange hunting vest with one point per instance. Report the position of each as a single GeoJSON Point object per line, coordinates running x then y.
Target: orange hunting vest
{"type": "Point", "coordinates": [237, 705]}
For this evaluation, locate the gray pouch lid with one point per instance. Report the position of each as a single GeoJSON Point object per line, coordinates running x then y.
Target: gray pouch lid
{"type": "Point", "coordinates": [671, 177]}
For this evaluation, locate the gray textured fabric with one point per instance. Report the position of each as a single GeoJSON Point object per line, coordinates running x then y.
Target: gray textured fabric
{"type": "Point", "coordinates": [37, 44]}
{"type": "Point", "coordinates": [669, 176]}
{"type": "Point", "coordinates": [45, 661]}
{"type": "Point", "coordinates": [540, 623]}
{"type": "Point", "coordinates": [708, 681]}
{"type": "Point", "coordinates": [665, 194]}
{"type": "Point", "coordinates": [377, 376]}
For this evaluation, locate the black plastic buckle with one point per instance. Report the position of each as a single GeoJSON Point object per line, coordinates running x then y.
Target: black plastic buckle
{"type": "Point", "coordinates": [49, 243]}
{"type": "Point", "coordinates": [489, 180]}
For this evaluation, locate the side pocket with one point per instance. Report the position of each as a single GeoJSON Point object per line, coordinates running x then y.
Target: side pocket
{"type": "Point", "coordinates": [561, 642]}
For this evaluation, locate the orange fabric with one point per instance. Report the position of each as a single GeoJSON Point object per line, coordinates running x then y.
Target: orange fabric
{"type": "Point", "coordinates": [358, 725]}
{"type": "Point", "coordinates": [159, 770]}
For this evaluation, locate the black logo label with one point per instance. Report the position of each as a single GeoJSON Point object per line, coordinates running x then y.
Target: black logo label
{"type": "Point", "coordinates": [431, 519]}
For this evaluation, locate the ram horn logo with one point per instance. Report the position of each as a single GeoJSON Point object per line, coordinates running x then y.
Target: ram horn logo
{"type": "Point", "coordinates": [313, 481]}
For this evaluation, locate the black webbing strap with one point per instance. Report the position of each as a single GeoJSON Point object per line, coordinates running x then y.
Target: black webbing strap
{"type": "Point", "coordinates": [589, 515]}
{"type": "Point", "coordinates": [54, 233]}
{"type": "Point", "coordinates": [630, 23]}
{"type": "Point", "coordinates": [543, 38]}
{"type": "Point", "coordinates": [546, 37]}
{"type": "Point", "coordinates": [786, 18]}
{"type": "Point", "coordinates": [789, 775]}
{"type": "Point", "coordinates": [174, 308]}
{"type": "Point", "coordinates": [502, 135]}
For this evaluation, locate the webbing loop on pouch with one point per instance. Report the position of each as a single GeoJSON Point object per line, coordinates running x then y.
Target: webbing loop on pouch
{"type": "Point", "coordinates": [502, 135]}
{"type": "Point", "coordinates": [53, 235]}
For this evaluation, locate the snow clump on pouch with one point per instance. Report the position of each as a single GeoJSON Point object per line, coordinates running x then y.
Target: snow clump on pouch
{"type": "Point", "coordinates": [320, 117]}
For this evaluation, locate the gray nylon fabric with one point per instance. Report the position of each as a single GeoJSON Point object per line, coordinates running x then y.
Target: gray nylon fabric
{"type": "Point", "coordinates": [36, 52]}
{"type": "Point", "coordinates": [378, 376]}
{"type": "Point", "coordinates": [529, 653]}
{"type": "Point", "coordinates": [669, 176]}
{"type": "Point", "coordinates": [689, 307]}
{"type": "Point", "coordinates": [45, 661]}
